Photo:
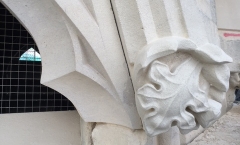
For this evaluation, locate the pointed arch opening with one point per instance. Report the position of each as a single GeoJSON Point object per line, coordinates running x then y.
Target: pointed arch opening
{"type": "Point", "coordinates": [20, 72]}
{"type": "Point", "coordinates": [30, 55]}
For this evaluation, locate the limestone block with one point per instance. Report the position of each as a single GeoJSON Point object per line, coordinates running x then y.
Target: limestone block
{"type": "Point", "coordinates": [40, 128]}
{"type": "Point", "coordinates": [228, 16]}
{"type": "Point", "coordinates": [82, 57]}
{"type": "Point", "coordinates": [109, 134]}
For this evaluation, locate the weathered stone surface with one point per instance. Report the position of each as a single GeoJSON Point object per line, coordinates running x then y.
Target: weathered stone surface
{"type": "Point", "coordinates": [224, 132]}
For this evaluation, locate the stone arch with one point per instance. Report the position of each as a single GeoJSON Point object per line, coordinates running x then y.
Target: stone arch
{"type": "Point", "coordinates": [21, 90]}
{"type": "Point", "coordinates": [81, 83]}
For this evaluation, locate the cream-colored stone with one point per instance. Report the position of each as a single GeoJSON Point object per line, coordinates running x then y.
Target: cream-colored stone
{"type": "Point", "coordinates": [179, 69]}
{"type": "Point", "coordinates": [179, 72]}
{"type": "Point", "coordinates": [176, 88]}
{"type": "Point", "coordinates": [86, 129]}
{"type": "Point", "coordinates": [82, 56]}
{"type": "Point", "coordinates": [169, 18]}
{"type": "Point", "coordinates": [109, 134]}
{"type": "Point", "coordinates": [228, 16]}
{"type": "Point", "coordinates": [45, 128]}
{"type": "Point", "coordinates": [189, 137]}
{"type": "Point", "coordinates": [169, 138]}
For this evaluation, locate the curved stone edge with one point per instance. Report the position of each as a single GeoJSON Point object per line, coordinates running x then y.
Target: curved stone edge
{"type": "Point", "coordinates": [59, 64]}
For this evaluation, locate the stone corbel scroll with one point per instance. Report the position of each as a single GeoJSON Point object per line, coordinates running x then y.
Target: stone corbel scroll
{"type": "Point", "coordinates": [179, 72]}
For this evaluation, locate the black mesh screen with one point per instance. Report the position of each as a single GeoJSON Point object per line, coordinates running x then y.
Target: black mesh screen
{"type": "Point", "coordinates": [20, 88]}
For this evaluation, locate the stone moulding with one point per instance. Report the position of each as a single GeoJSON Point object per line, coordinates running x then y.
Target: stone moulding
{"type": "Point", "coordinates": [173, 79]}
{"type": "Point", "coordinates": [82, 57]}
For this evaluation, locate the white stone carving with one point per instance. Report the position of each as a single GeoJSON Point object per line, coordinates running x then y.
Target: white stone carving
{"type": "Point", "coordinates": [173, 78]}
{"type": "Point", "coordinates": [172, 50]}
{"type": "Point", "coordinates": [178, 69]}
{"type": "Point", "coordinates": [82, 56]}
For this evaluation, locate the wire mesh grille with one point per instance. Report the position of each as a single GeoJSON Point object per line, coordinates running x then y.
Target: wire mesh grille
{"type": "Point", "coordinates": [20, 88]}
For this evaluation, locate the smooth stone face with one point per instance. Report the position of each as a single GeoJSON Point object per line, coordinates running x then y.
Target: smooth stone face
{"type": "Point", "coordinates": [228, 16]}
{"type": "Point", "coordinates": [109, 134]}
{"type": "Point", "coordinates": [40, 128]}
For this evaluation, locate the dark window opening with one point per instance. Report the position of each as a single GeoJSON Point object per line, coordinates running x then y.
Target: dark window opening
{"type": "Point", "coordinates": [237, 93]}
{"type": "Point", "coordinates": [20, 72]}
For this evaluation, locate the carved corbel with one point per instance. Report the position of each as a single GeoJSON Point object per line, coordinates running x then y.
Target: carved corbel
{"type": "Point", "coordinates": [178, 69]}
{"type": "Point", "coordinates": [173, 80]}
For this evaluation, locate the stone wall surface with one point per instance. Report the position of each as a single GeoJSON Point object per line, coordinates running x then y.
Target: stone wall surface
{"type": "Point", "coordinates": [51, 128]}
{"type": "Point", "coordinates": [228, 16]}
